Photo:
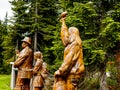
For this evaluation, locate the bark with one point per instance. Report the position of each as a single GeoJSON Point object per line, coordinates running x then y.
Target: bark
{"type": "Point", "coordinates": [103, 81]}
{"type": "Point", "coordinates": [103, 76]}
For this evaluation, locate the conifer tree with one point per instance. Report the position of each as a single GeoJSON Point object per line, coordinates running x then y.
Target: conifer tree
{"type": "Point", "coordinates": [1, 49]}
{"type": "Point", "coordinates": [20, 20]}
{"type": "Point", "coordinates": [43, 17]}
{"type": "Point", "coordinates": [6, 46]}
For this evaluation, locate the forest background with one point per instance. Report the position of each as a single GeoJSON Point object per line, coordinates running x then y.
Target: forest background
{"type": "Point", "coordinates": [97, 20]}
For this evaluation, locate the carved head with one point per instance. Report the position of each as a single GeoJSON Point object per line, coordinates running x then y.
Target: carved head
{"type": "Point", "coordinates": [27, 40]}
{"type": "Point", "coordinates": [37, 55]}
{"type": "Point", "coordinates": [73, 30]}
{"type": "Point", "coordinates": [74, 35]}
{"type": "Point", "coordinates": [44, 64]}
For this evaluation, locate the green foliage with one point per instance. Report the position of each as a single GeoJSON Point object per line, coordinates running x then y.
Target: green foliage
{"type": "Point", "coordinates": [112, 34]}
{"type": "Point", "coordinates": [115, 12]}
{"type": "Point", "coordinates": [46, 21]}
{"type": "Point", "coordinates": [83, 16]}
{"type": "Point", "coordinates": [8, 53]}
{"type": "Point", "coordinates": [92, 53]}
{"type": "Point", "coordinates": [57, 50]}
{"type": "Point", "coordinates": [5, 47]}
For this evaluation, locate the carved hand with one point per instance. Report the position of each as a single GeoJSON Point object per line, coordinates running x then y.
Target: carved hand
{"type": "Point", "coordinates": [63, 14]}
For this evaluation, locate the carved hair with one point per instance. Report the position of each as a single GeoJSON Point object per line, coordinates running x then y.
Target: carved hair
{"type": "Point", "coordinates": [38, 54]}
{"type": "Point", "coordinates": [74, 34]}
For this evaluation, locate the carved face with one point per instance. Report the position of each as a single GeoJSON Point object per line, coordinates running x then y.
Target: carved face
{"type": "Point", "coordinates": [45, 65]}
{"type": "Point", "coordinates": [24, 44]}
{"type": "Point", "coordinates": [37, 55]}
{"type": "Point", "coordinates": [72, 33]}
{"type": "Point", "coordinates": [73, 30]}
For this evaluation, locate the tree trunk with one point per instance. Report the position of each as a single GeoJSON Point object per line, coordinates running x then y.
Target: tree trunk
{"type": "Point", "coordinates": [103, 81]}
{"type": "Point", "coordinates": [103, 76]}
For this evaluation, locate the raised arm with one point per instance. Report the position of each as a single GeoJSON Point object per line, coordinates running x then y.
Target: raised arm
{"type": "Point", "coordinates": [64, 30]}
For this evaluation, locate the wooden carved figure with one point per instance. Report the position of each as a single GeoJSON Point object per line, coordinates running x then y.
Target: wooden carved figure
{"type": "Point", "coordinates": [69, 73]}
{"type": "Point", "coordinates": [24, 63]}
{"type": "Point", "coordinates": [40, 71]}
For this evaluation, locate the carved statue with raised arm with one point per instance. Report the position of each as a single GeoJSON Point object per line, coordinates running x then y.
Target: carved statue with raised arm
{"type": "Point", "coordinates": [69, 73]}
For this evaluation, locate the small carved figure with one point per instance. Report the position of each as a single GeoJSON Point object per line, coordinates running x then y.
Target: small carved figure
{"type": "Point", "coordinates": [68, 75]}
{"type": "Point", "coordinates": [24, 63]}
{"type": "Point", "coordinates": [40, 71]}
